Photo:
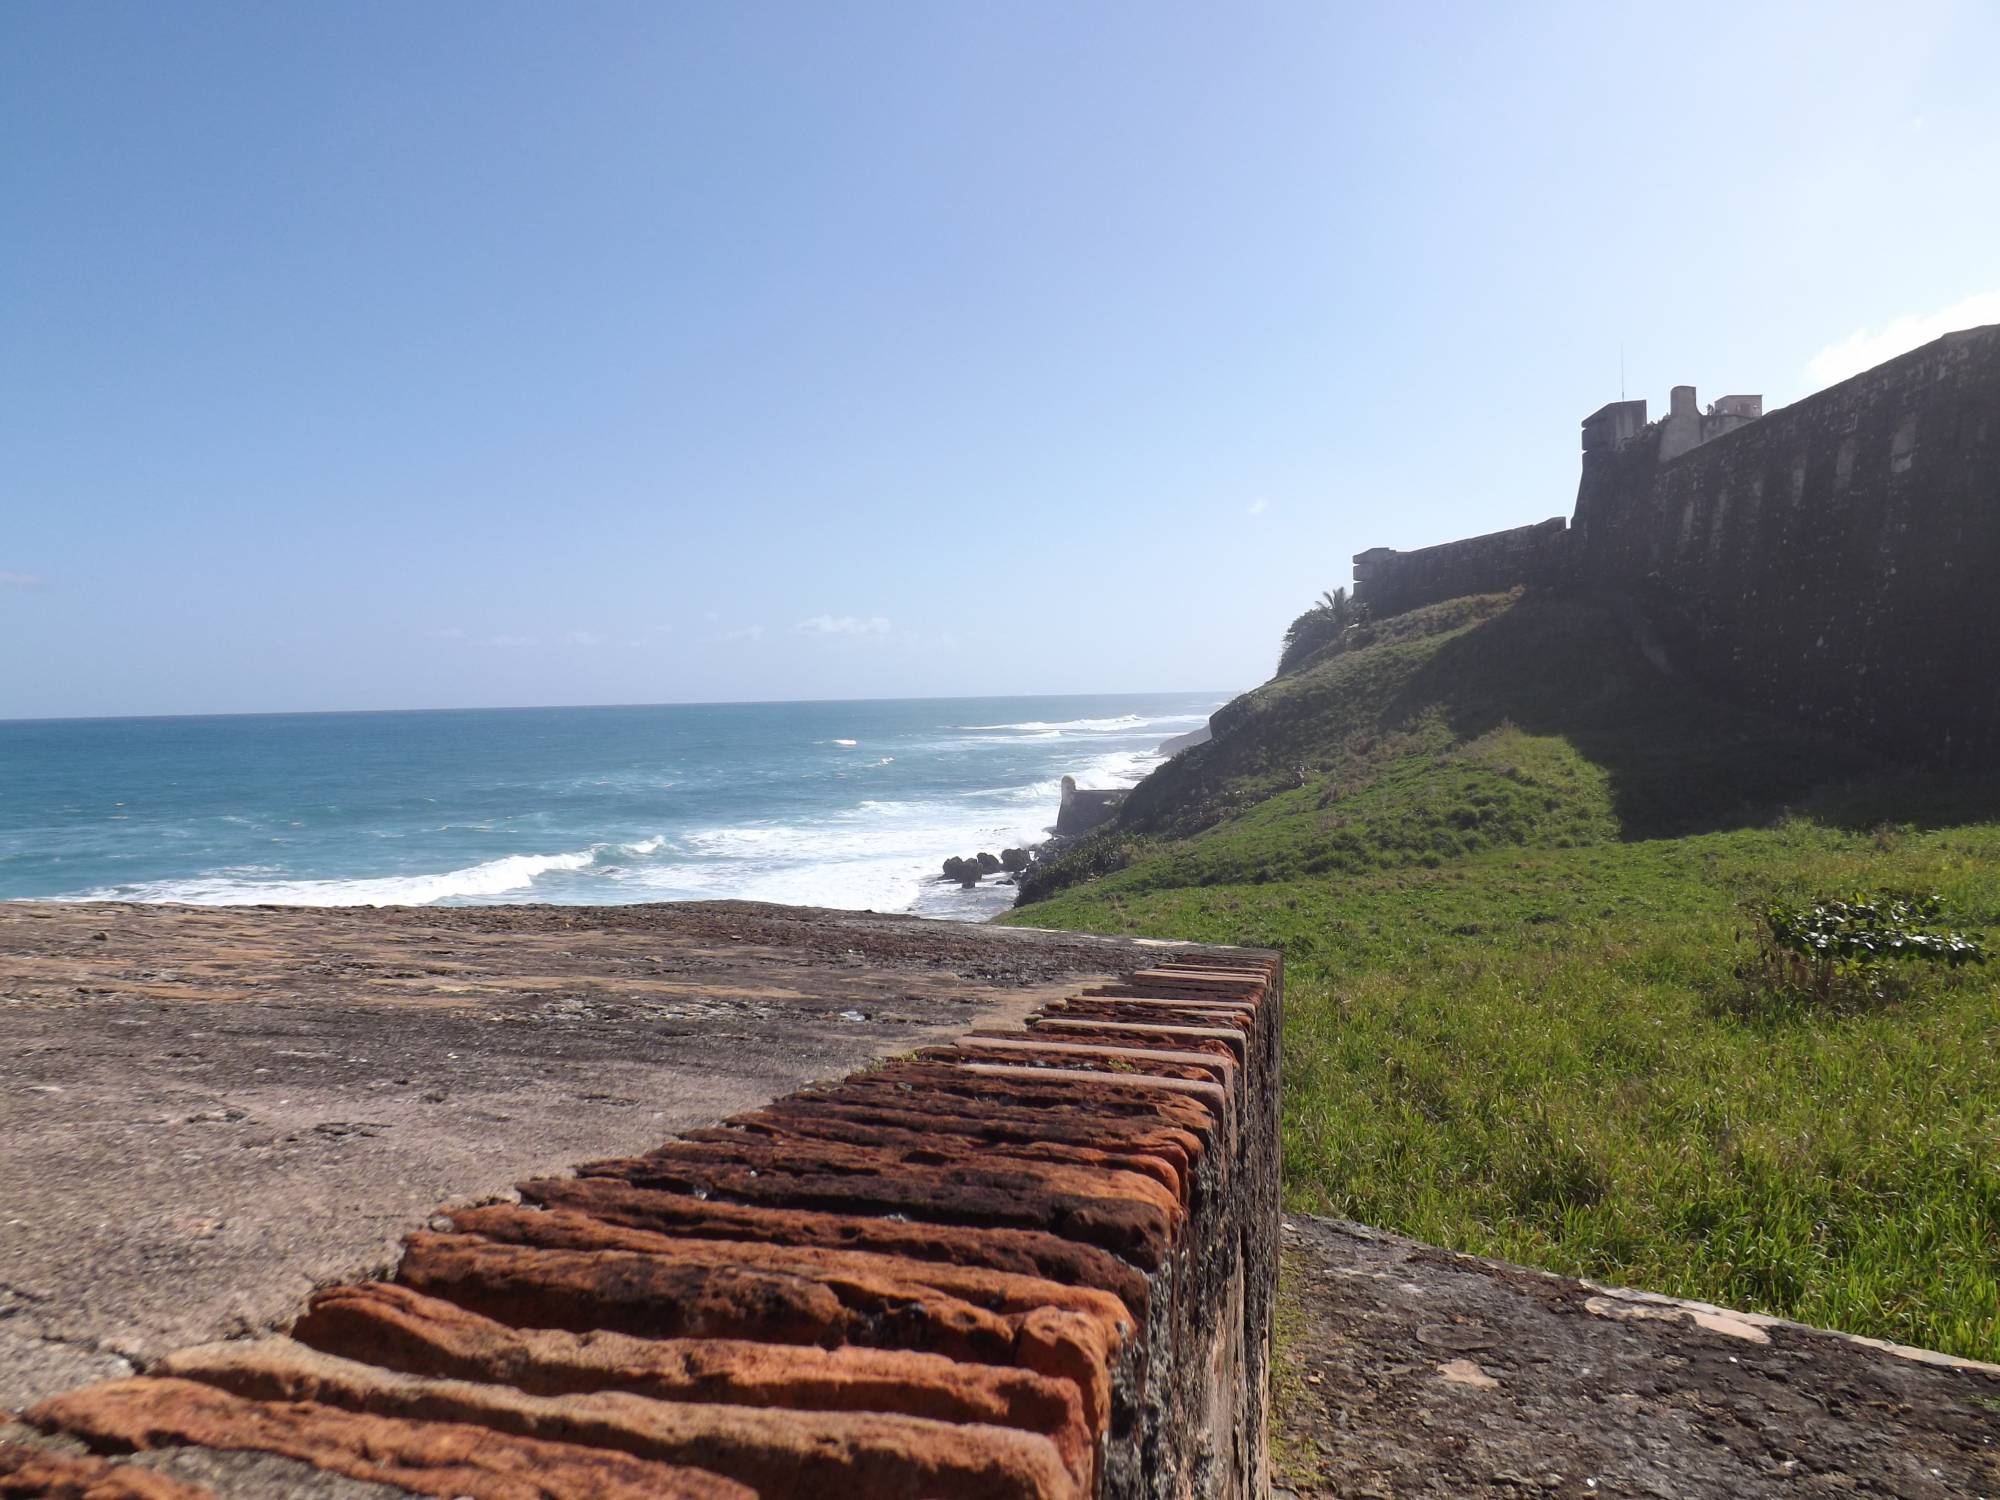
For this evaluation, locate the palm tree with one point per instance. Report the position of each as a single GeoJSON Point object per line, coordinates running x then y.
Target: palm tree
{"type": "Point", "coordinates": [1322, 622]}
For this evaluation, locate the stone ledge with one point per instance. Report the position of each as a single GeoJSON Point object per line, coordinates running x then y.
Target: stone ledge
{"type": "Point", "coordinates": [247, 1103]}
{"type": "Point", "coordinates": [1408, 1370]}
{"type": "Point", "coordinates": [1011, 1268]}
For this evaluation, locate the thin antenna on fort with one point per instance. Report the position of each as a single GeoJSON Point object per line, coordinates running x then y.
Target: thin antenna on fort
{"type": "Point", "coordinates": [1621, 369]}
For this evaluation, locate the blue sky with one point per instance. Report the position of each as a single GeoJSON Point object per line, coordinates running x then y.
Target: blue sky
{"type": "Point", "coordinates": [358, 356]}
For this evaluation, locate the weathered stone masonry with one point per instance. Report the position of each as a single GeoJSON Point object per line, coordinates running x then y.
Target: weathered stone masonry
{"type": "Point", "coordinates": [1390, 582]}
{"type": "Point", "coordinates": [1834, 561]}
{"type": "Point", "coordinates": [1038, 1262]}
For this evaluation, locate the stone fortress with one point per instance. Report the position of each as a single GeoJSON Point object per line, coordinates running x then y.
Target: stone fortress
{"type": "Point", "coordinates": [1832, 561]}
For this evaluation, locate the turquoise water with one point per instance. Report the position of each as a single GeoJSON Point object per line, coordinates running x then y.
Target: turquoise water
{"type": "Point", "coordinates": [837, 804]}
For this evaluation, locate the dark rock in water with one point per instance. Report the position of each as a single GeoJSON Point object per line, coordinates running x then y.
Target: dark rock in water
{"type": "Point", "coordinates": [1186, 741]}
{"type": "Point", "coordinates": [968, 871]}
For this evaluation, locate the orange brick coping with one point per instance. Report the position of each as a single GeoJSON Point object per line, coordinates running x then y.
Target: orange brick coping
{"type": "Point", "coordinates": [939, 1277]}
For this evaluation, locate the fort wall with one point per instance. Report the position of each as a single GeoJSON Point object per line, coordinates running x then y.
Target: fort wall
{"type": "Point", "coordinates": [1085, 808]}
{"type": "Point", "coordinates": [1389, 582]}
{"type": "Point", "coordinates": [1834, 561]}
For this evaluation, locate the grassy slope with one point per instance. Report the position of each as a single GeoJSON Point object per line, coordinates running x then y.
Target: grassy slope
{"type": "Point", "coordinates": [1508, 893]}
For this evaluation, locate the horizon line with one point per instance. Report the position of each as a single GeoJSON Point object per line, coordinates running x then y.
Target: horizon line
{"type": "Point", "coordinates": [511, 708]}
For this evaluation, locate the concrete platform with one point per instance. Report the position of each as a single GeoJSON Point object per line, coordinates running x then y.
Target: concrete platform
{"type": "Point", "coordinates": [208, 1112]}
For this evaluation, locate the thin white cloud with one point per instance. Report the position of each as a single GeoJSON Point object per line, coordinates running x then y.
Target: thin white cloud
{"type": "Point", "coordinates": [744, 633]}
{"type": "Point", "coordinates": [851, 625]}
{"type": "Point", "coordinates": [1865, 348]}
{"type": "Point", "coordinates": [450, 633]}
{"type": "Point", "coordinates": [509, 640]}
{"type": "Point", "coordinates": [10, 580]}
{"type": "Point", "coordinates": [583, 638]}
{"type": "Point", "coordinates": [1258, 507]}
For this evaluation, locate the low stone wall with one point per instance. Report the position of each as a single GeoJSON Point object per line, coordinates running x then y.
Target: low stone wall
{"type": "Point", "coordinates": [1037, 1262]}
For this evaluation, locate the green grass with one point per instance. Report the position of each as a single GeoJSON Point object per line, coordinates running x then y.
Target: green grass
{"type": "Point", "coordinates": [1416, 807]}
{"type": "Point", "coordinates": [1514, 1028]}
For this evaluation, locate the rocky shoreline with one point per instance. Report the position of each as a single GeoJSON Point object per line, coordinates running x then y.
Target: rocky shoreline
{"type": "Point", "coordinates": [1082, 810]}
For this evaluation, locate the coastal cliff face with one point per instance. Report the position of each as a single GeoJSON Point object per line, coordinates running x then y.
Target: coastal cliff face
{"type": "Point", "coordinates": [1375, 753]}
{"type": "Point", "coordinates": [1186, 741]}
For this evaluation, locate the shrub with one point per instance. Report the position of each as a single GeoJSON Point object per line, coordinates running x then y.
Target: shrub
{"type": "Point", "coordinates": [1330, 616]}
{"type": "Point", "coordinates": [1101, 853]}
{"type": "Point", "coordinates": [1831, 949]}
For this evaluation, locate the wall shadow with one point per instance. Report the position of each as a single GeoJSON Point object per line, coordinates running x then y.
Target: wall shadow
{"type": "Point", "coordinates": [1679, 759]}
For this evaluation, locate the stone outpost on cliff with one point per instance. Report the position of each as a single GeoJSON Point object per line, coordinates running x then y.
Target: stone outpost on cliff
{"type": "Point", "coordinates": [1831, 561]}
{"type": "Point", "coordinates": [1081, 810]}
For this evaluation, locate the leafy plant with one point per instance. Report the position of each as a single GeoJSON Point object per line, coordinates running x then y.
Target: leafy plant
{"type": "Point", "coordinates": [1829, 947]}
{"type": "Point", "coordinates": [1328, 617]}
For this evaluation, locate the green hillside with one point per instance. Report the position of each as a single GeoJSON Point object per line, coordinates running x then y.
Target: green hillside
{"type": "Point", "coordinates": [1507, 859]}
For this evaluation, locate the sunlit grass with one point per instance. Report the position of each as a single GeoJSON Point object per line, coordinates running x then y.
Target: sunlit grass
{"type": "Point", "coordinates": [1515, 1027]}
{"type": "Point", "coordinates": [1547, 1056]}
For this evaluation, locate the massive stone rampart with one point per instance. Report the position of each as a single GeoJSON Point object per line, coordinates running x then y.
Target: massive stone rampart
{"type": "Point", "coordinates": [1834, 561]}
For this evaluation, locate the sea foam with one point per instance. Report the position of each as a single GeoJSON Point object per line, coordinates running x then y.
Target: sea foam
{"type": "Point", "coordinates": [583, 806]}
{"type": "Point", "coordinates": [244, 887]}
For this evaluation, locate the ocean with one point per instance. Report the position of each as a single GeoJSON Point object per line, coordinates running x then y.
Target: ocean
{"type": "Point", "coordinates": [848, 804]}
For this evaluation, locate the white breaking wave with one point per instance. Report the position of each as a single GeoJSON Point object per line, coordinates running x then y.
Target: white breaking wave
{"type": "Point", "coordinates": [1037, 726]}
{"type": "Point", "coordinates": [1087, 726]}
{"type": "Point", "coordinates": [1120, 766]}
{"type": "Point", "coordinates": [252, 886]}
{"type": "Point", "coordinates": [884, 853]}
